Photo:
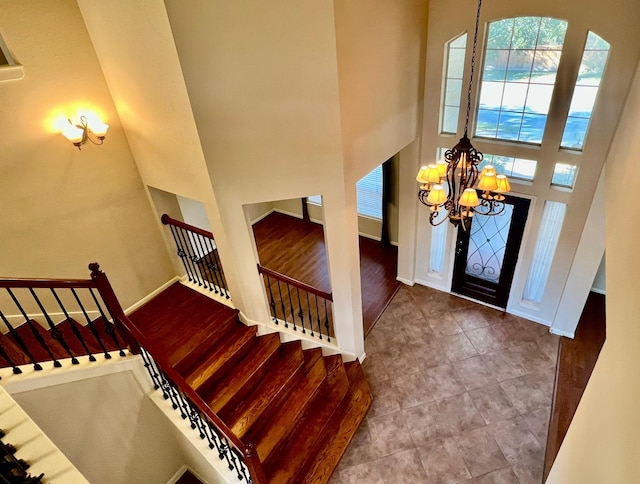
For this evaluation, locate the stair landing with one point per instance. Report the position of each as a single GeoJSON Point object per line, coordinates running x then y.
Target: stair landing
{"type": "Point", "coordinates": [297, 408]}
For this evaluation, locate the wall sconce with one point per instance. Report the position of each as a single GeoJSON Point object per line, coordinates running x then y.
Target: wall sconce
{"type": "Point", "coordinates": [85, 131]}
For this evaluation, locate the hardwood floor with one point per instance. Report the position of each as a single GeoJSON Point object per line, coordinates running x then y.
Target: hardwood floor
{"type": "Point", "coordinates": [296, 248]}
{"type": "Point", "coordinates": [576, 359]}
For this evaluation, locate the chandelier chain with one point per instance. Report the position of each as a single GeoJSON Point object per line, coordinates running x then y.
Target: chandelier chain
{"type": "Point", "coordinates": [473, 64]}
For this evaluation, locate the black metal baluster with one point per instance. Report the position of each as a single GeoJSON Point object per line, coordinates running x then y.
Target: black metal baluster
{"type": "Point", "coordinates": [147, 365]}
{"type": "Point", "coordinates": [293, 314]}
{"type": "Point", "coordinates": [243, 469]}
{"type": "Point", "coordinates": [318, 318]}
{"type": "Point", "coordinates": [284, 311]}
{"type": "Point", "coordinates": [300, 311]}
{"type": "Point", "coordinates": [109, 327]}
{"type": "Point", "coordinates": [225, 449]}
{"type": "Point", "coordinates": [223, 284]}
{"type": "Point", "coordinates": [326, 321]}
{"type": "Point", "coordinates": [34, 331]}
{"type": "Point", "coordinates": [74, 330]}
{"type": "Point", "coordinates": [309, 311]}
{"type": "Point", "coordinates": [200, 261]}
{"type": "Point", "coordinates": [272, 301]}
{"type": "Point", "coordinates": [91, 326]}
{"type": "Point", "coordinates": [234, 460]}
{"type": "Point", "coordinates": [4, 355]}
{"type": "Point", "coordinates": [207, 432]}
{"type": "Point", "coordinates": [181, 253]}
{"type": "Point", "coordinates": [56, 334]}
{"type": "Point", "coordinates": [20, 342]}
{"type": "Point", "coordinates": [214, 439]}
{"type": "Point", "coordinates": [212, 265]}
{"type": "Point", "coordinates": [198, 419]}
{"type": "Point", "coordinates": [188, 251]}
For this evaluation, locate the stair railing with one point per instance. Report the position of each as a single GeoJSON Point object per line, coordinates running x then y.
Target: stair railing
{"type": "Point", "coordinates": [240, 458]}
{"type": "Point", "coordinates": [298, 305]}
{"type": "Point", "coordinates": [198, 252]}
{"type": "Point", "coordinates": [54, 301]}
{"type": "Point", "coordinates": [33, 300]}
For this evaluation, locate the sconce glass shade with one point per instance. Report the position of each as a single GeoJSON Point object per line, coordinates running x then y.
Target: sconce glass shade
{"type": "Point", "coordinates": [488, 182]}
{"type": "Point", "coordinates": [469, 198]}
{"type": "Point", "coordinates": [99, 128]}
{"type": "Point", "coordinates": [73, 133]}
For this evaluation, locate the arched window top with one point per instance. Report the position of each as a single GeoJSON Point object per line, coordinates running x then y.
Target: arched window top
{"type": "Point", "coordinates": [520, 66]}
{"type": "Point", "coordinates": [454, 72]}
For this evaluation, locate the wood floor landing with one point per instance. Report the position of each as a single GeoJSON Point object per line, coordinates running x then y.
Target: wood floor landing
{"type": "Point", "coordinates": [576, 359]}
{"type": "Point", "coordinates": [296, 248]}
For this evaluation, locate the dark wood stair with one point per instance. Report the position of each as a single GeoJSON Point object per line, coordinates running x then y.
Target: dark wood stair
{"type": "Point", "coordinates": [297, 408]}
{"type": "Point", "coordinates": [25, 332]}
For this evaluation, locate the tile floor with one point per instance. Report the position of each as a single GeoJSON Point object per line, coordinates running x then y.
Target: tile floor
{"type": "Point", "coordinates": [462, 393]}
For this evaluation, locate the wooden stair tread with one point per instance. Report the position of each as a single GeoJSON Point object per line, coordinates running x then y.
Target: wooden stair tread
{"type": "Point", "coordinates": [36, 349]}
{"type": "Point", "coordinates": [221, 358]}
{"type": "Point", "coordinates": [298, 449]}
{"type": "Point", "coordinates": [100, 328]}
{"type": "Point", "coordinates": [88, 337]}
{"type": "Point", "coordinates": [194, 345]}
{"type": "Point", "coordinates": [234, 386]}
{"type": "Point", "coordinates": [341, 428]}
{"type": "Point", "coordinates": [13, 351]}
{"type": "Point", "coordinates": [267, 437]}
{"type": "Point", "coordinates": [280, 378]}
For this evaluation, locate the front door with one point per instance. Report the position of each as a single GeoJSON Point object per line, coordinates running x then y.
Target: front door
{"type": "Point", "coordinates": [486, 253]}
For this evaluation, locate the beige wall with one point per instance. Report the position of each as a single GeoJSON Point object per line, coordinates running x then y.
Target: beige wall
{"type": "Point", "coordinates": [603, 443]}
{"type": "Point", "coordinates": [380, 63]}
{"type": "Point", "coordinates": [110, 430]}
{"type": "Point", "coordinates": [63, 208]}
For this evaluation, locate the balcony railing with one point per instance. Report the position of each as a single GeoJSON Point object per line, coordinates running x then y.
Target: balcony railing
{"type": "Point", "coordinates": [198, 252]}
{"type": "Point", "coordinates": [299, 306]}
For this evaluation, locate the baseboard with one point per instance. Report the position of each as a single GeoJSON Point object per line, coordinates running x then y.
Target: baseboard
{"type": "Point", "coordinates": [285, 212]}
{"type": "Point", "coordinates": [150, 296]}
{"type": "Point", "coordinates": [176, 477]}
{"type": "Point", "coordinates": [529, 317]}
{"type": "Point", "coordinates": [206, 292]}
{"type": "Point", "coordinates": [288, 334]}
{"type": "Point", "coordinates": [432, 285]}
{"type": "Point", "coordinates": [561, 332]}
{"type": "Point", "coordinates": [18, 319]}
{"type": "Point", "coordinates": [405, 281]}
{"type": "Point", "coordinates": [264, 215]}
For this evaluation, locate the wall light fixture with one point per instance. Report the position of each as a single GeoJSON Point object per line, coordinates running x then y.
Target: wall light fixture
{"type": "Point", "coordinates": [93, 131]}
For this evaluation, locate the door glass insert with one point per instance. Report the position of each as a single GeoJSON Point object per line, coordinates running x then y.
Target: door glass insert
{"type": "Point", "coordinates": [487, 244]}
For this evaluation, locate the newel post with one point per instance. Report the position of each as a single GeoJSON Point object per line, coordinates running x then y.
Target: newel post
{"type": "Point", "coordinates": [113, 305]}
{"type": "Point", "coordinates": [254, 465]}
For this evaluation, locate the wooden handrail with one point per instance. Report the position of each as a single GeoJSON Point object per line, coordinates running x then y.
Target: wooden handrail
{"type": "Point", "coordinates": [47, 283]}
{"type": "Point", "coordinates": [295, 282]}
{"type": "Point", "coordinates": [110, 299]}
{"type": "Point", "coordinates": [166, 220]}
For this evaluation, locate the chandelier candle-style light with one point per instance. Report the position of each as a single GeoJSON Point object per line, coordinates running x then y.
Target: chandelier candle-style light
{"type": "Point", "coordinates": [451, 184]}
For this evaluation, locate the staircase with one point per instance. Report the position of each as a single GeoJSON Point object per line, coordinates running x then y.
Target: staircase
{"type": "Point", "coordinates": [296, 408]}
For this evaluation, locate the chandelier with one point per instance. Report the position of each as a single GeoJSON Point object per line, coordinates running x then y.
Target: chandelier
{"type": "Point", "coordinates": [451, 184]}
